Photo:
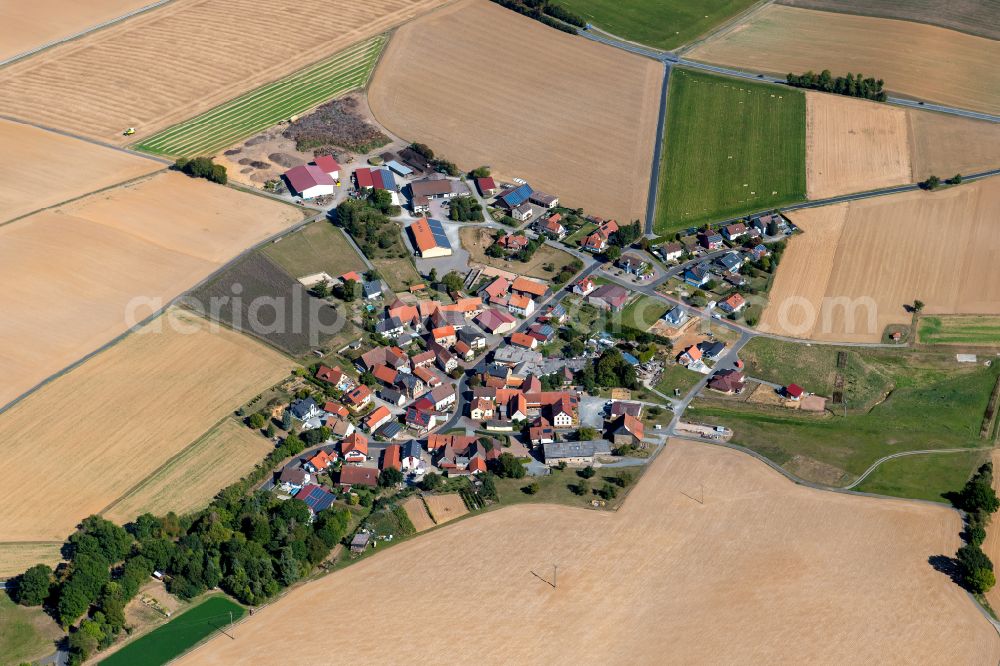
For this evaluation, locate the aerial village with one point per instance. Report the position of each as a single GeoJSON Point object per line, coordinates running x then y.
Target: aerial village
{"type": "Point", "coordinates": [483, 369]}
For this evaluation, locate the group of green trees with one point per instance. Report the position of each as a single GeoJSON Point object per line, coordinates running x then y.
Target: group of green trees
{"type": "Point", "coordinates": [465, 209]}
{"type": "Point", "coordinates": [370, 227]}
{"type": "Point", "coordinates": [851, 85]}
{"type": "Point", "coordinates": [979, 502]}
{"type": "Point", "coordinates": [933, 182]}
{"type": "Point", "coordinates": [437, 163]}
{"type": "Point", "coordinates": [547, 13]}
{"type": "Point", "coordinates": [251, 546]}
{"type": "Point", "coordinates": [611, 369]}
{"type": "Point", "coordinates": [202, 167]}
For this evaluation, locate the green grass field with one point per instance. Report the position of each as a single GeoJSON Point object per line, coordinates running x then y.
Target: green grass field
{"type": "Point", "coordinates": [929, 404]}
{"type": "Point", "coordinates": [731, 147]}
{"type": "Point", "coordinates": [677, 376]}
{"type": "Point", "coordinates": [25, 633]}
{"type": "Point", "coordinates": [318, 247]}
{"type": "Point", "coordinates": [926, 476]}
{"type": "Point", "coordinates": [259, 109]}
{"type": "Point", "coordinates": [643, 312]}
{"type": "Point", "coordinates": [663, 24]}
{"type": "Point", "coordinates": [179, 634]}
{"type": "Point", "coordinates": [959, 329]}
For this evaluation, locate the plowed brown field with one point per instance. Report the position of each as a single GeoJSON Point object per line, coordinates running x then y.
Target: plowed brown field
{"type": "Point", "coordinates": [764, 571]}
{"type": "Point", "coordinates": [946, 145]}
{"type": "Point", "coordinates": [853, 145]}
{"type": "Point", "coordinates": [92, 434]}
{"type": "Point", "coordinates": [481, 84]}
{"type": "Point", "coordinates": [69, 274]}
{"type": "Point", "coordinates": [148, 72]}
{"type": "Point", "coordinates": [28, 25]}
{"type": "Point", "coordinates": [50, 168]}
{"type": "Point", "coordinates": [858, 264]}
{"type": "Point", "coordinates": [417, 513]}
{"type": "Point", "coordinates": [914, 59]}
{"type": "Point", "coordinates": [445, 507]}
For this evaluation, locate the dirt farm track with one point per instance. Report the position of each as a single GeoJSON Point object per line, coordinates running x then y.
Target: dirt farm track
{"type": "Point", "coordinates": [580, 122]}
{"type": "Point", "coordinates": [762, 572]}
{"type": "Point", "coordinates": [176, 61]}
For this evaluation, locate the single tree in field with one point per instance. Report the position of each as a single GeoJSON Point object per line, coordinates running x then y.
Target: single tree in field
{"type": "Point", "coordinates": [918, 305]}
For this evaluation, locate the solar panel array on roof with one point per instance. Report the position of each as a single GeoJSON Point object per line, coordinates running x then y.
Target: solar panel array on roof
{"type": "Point", "coordinates": [438, 231]}
{"type": "Point", "coordinates": [383, 179]}
{"type": "Point", "coordinates": [516, 196]}
{"type": "Point", "coordinates": [316, 498]}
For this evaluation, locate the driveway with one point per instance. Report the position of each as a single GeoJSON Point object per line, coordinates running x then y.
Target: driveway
{"type": "Point", "coordinates": [592, 411]}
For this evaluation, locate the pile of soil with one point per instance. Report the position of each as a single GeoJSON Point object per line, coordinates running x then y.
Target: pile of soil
{"type": "Point", "coordinates": [284, 160]}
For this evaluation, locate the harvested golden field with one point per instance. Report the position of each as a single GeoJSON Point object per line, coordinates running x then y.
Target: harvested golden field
{"type": "Point", "coordinates": [946, 145]}
{"type": "Point", "coordinates": [29, 25]}
{"type": "Point", "coordinates": [50, 168]}
{"type": "Point", "coordinates": [191, 478]}
{"type": "Point", "coordinates": [858, 264]}
{"type": "Point", "coordinates": [854, 145]}
{"type": "Point", "coordinates": [77, 276]}
{"type": "Point", "coordinates": [914, 59]}
{"type": "Point", "coordinates": [140, 73]}
{"type": "Point", "coordinates": [445, 507]}
{"type": "Point", "coordinates": [417, 513]}
{"type": "Point", "coordinates": [114, 420]}
{"type": "Point", "coordinates": [16, 557]}
{"type": "Point", "coordinates": [741, 578]}
{"type": "Point", "coordinates": [580, 122]}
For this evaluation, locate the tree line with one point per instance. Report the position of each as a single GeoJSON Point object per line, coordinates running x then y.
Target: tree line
{"type": "Point", "coordinates": [851, 85]}
{"type": "Point", "coordinates": [979, 502]}
{"type": "Point", "coordinates": [551, 14]}
{"type": "Point", "coordinates": [249, 545]}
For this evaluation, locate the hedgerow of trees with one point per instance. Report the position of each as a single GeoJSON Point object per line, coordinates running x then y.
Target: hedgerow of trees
{"type": "Point", "coordinates": [979, 502]}
{"type": "Point", "coordinates": [851, 85]}
{"type": "Point", "coordinates": [543, 11]}
{"type": "Point", "coordinates": [611, 369]}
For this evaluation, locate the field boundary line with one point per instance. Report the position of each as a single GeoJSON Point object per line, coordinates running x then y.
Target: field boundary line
{"type": "Point", "coordinates": [91, 140]}
{"type": "Point", "coordinates": [333, 71]}
{"type": "Point", "coordinates": [298, 92]}
{"type": "Point", "coordinates": [177, 300]}
{"type": "Point", "coordinates": [724, 28]}
{"type": "Point", "coordinates": [115, 186]}
{"type": "Point", "coordinates": [167, 465]}
{"type": "Point", "coordinates": [100, 26]}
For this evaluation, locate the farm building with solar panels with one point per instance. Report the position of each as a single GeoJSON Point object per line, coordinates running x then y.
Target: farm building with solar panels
{"type": "Point", "coordinates": [429, 239]}
{"type": "Point", "coordinates": [514, 197]}
{"type": "Point", "coordinates": [379, 179]}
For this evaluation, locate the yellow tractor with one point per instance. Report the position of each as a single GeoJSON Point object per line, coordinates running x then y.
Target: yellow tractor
{"type": "Point", "coordinates": [129, 132]}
